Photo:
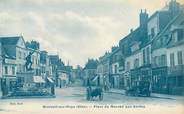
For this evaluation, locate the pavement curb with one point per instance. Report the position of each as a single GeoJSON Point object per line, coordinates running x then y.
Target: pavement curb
{"type": "Point", "coordinates": [153, 95]}
{"type": "Point", "coordinates": [28, 97]}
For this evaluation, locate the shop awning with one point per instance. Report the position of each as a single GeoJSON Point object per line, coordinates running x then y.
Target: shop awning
{"type": "Point", "coordinates": [38, 79]}
{"type": "Point", "coordinates": [50, 80]}
{"type": "Point", "coordinates": [94, 78]}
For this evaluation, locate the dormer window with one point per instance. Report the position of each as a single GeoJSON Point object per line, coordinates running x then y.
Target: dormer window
{"type": "Point", "coordinates": [135, 47]}
{"type": "Point", "coordinates": [177, 33]}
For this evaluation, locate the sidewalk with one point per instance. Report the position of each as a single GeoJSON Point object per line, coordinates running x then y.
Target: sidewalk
{"type": "Point", "coordinates": [153, 95]}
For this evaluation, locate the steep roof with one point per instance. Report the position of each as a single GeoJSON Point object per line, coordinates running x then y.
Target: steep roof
{"type": "Point", "coordinates": [179, 21]}
{"type": "Point", "coordinates": [54, 59]}
{"type": "Point", "coordinates": [6, 41]}
{"type": "Point", "coordinates": [91, 64]}
{"type": "Point", "coordinates": [7, 55]}
{"type": "Point", "coordinates": [9, 40]}
{"type": "Point", "coordinates": [165, 32]}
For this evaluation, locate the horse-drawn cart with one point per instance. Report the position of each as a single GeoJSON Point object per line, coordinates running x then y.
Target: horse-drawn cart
{"type": "Point", "coordinates": [94, 92]}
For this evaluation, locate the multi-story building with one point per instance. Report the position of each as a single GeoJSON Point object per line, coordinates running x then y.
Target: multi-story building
{"type": "Point", "coordinates": [160, 48]}
{"type": "Point", "coordinates": [106, 68]}
{"type": "Point", "coordinates": [13, 53]}
{"type": "Point", "coordinates": [146, 54]}
{"type": "Point", "coordinates": [133, 64]}
{"type": "Point", "coordinates": [115, 64]}
{"type": "Point", "coordinates": [134, 55]}
{"type": "Point", "coordinates": [175, 56]}
{"type": "Point", "coordinates": [103, 70]}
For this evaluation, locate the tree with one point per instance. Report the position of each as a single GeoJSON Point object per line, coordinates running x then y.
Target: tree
{"type": "Point", "coordinates": [33, 45]}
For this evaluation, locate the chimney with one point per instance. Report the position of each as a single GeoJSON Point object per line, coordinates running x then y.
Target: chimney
{"type": "Point", "coordinates": [174, 8]}
{"type": "Point", "coordinates": [143, 18]}
{"type": "Point", "coordinates": [131, 30]}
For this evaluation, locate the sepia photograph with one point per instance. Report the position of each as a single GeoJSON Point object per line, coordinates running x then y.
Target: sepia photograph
{"type": "Point", "coordinates": [92, 56]}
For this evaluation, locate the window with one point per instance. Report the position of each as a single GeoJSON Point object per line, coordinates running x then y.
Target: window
{"type": "Point", "coordinates": [172, 59]}
{"type": "Point", "coordinates": [148, 55]}
{"type": "Point", "coordinates": [13, 70]}
{"type": "Point", "coordinates": [115, 69]}
{"type": "Point", "coordinates": [128, 66]}
{"type": "Point", "coordinates": [19, 54]}
{"type": "Point", "coordinates": [144, 57]}
{"type": "Point", "coordinates": [163, 60]}
{"type": "Point", "coordinates": [159, 61]}
{"type": "Point", "coordinates": [155, 61]}
{"type": "Point", "coordinates": [136, 63]}
{"type": "Point", "coordinates": [152, 32]}
{"type": "Point", "coordinates": [6, 69]}
{"type": "Point", "coordinates": [24, 55]}
{"type": "Point", "coordinates": [180, 61]}
{"type": "Point", "coordinates": [180, 34]}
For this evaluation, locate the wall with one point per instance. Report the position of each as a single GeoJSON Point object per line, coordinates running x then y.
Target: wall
{"type": "Point", "coordinates": [10, 71]}
{"type": "Point", "coordinates": [130, 59]}
{"type": "Point", "coordinates": [21, 54]}
{"type": "Point", "coordinates": [175, 51]}
{"type": "Point", "coordinates": [159, 52]}
{"type": "Point", "coordinates": [113, 68]}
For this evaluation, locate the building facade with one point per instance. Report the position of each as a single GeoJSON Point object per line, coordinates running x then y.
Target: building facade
{"type": "Point", "coordinates": [13, 52]}
{"type": "Point", "coordinates": [103, 70]}
{"type": "Point", "coordinates": [116, 79]}
{"type": "Point", "coordinates": [90, 73]}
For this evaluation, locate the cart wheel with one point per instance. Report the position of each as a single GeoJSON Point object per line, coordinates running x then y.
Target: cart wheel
{"type": "Point", "coordinates": [148, 94]}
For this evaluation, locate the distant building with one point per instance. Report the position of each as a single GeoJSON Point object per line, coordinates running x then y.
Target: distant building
{"type": "Point", "coordinates": [45, 64]}
{"type": "Point", "coordinates": [90, 73]}
{"type": "Point", "coordinates": [79, 72]}
{"type": "Point", "coordinates": [54, 59]}
{"type": "Point", "coordinates": [45, 67]}
{"type": "Point", "coordinates": [100, 73]}
{"type": "Point", "coordinates": [63, 73]}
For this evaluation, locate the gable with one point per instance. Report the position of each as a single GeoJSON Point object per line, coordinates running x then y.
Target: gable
{"type": "Point", "coordinates": [21, 43]}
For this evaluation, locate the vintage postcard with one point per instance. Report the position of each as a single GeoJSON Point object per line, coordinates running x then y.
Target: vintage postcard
{"type": "Point", "coordinates": [92, 56]}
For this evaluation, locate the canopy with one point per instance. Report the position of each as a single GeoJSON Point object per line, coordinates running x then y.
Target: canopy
{"type": "Point", "coordinates": [50, 80]}
{"type": "Point", "coordinates": [94, 78]}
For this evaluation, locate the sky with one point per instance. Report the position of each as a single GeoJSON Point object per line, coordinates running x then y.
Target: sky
{"type": "Point", "coordinates": [74, 29]}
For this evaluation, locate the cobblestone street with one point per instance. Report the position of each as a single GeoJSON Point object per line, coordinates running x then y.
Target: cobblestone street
{"type": "Point", "coordinates": [73, 96]}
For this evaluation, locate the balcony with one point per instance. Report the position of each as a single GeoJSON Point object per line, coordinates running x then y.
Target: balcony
{"type": "Point", "coordinates": [176, 70]}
